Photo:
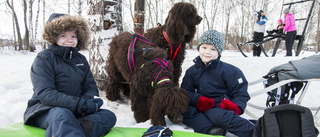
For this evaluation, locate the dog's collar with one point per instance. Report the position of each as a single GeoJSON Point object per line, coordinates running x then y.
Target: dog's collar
{"type": "Point", "coordinates": [173, 47]}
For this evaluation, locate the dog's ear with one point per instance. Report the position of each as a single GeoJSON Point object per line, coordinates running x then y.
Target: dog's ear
{"type": "Point", "coordinates": [176, 29]}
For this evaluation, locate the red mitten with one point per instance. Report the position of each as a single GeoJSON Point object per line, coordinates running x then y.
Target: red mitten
{"type": "Point", "coordinates": [227, 104]}
{"type": "Point", "coordinates": [204, 103]}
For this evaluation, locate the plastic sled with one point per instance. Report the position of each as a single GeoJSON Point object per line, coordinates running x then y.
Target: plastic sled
{"type": "Point", "coordinates": [21, 130]}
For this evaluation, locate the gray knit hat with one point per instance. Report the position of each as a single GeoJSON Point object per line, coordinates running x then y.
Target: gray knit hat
{"type": "Point", "coordinates": [214, 38]}
{"type": "Point", "coordinates": [286, 11]}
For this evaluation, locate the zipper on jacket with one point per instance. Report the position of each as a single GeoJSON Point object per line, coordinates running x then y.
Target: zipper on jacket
{"type": "Point", "coordinates": [70, 54]}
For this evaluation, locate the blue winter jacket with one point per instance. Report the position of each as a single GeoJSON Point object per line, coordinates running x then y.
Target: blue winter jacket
{"type": "Point", "coordinates": [217, 80]}
{"type": "Point", "coordinates": [60, 77]}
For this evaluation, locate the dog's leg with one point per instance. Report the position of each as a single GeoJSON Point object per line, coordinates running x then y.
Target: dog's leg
{"type": "Point", "coordinates": [157, 114]}
{"type": "Point", "coordinates": [176, 73]}
{"type": "Point", "coordinates": [126, 89]}
{"type": "Point", "coordinates": [114, 78]}
{"type": "Point", "coordinates": [139, 106]}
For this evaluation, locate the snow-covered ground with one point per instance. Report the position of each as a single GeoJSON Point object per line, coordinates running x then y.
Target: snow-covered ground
{"type": "Point", "coordinates": [16, 87]}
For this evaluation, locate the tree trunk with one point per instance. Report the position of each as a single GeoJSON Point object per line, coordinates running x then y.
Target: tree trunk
{"type": "Point", "coordinates": [31, 36]}
{"type": "Point", "coordinates": [139, 16]}
{"type": "Point", "coordinates": [228, 14]}
{"type": "Point", "coordinates": [14, 31]}
{"type": "Point", "coordinates": [37, 19]}
{"type": "Point", "coordinates": [16, 23]}
{"type": "Point", "coordinates": [318, 30]}
{"type": "Point", "coordinates": [44, 22]}
{"type": "Point", "coordinates": [26, 34]}
{"type": "Point", "coordinates": [104, 28]}
{"type": "Point", "coordinates": [69, 7]}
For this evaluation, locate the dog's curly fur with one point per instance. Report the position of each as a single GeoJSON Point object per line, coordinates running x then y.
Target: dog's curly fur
{"type": "Point", "coordinates": [147, 102]}
{"type": "Point", "coordinates": [180, 26]}
{"type": "Point", "coordinates": [165, 99]}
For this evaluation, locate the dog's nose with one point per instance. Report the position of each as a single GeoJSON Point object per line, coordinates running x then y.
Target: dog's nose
{"type": "Point", "coordinates": [199, 18]}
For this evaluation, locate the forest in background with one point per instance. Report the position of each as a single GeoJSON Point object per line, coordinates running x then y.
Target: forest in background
{"type": "Point", "coordinates": [234, 18]}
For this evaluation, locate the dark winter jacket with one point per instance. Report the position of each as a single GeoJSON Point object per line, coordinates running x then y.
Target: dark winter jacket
{"type": "Point", "coordinates": [217, 80]}
{"type": "Point", "coordinates": [60, 77]}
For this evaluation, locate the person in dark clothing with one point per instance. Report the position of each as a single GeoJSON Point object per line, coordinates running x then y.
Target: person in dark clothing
{"type": "Point", "coordinates": [65, 100]}
{"type": "Point", "coordinates": [260, 21]}
{"type": "Point", "coordinates": [290, 30]}
{"type": "Point", "coordinates": [217, 91]}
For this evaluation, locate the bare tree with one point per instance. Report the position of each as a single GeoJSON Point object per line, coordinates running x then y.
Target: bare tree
{"type": "Point", "coordinates": [228, 6]}
{"type": "Point", "coordinates": [139, 16]}
{"type": "Point", "coordinates": [69, 5]}
{"type": "Point", "coordinates": [31, 36]}
{"type": "Point", "coordinates": [318, 28]}
{"type": "Point", "coordinates": [26, 34]}
{"type": "Point", "coordinates": [44, 45]}
{"type": "Point", "coordinates": [205, 18]}
{"type": "Point", "coordinates": [17, 28]}
{"type": "Point", "coordinates": [78, 6]}
{"type": "Point", "coordinates": [131, 10]}
{"type": "Point", "coordinates": [37, 19]}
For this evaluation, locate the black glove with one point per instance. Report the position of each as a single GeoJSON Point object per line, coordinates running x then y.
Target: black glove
{"type": "Point", "coordinates": [89, 106]}
{"type": "Point", "coordinates": [93, 105]}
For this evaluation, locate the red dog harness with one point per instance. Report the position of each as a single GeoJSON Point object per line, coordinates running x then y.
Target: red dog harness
{"type": "Point", "coordinates": [173, 48]}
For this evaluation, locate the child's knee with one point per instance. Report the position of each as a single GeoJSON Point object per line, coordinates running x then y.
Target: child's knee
{"type": "Point", "coordinates": [58, 111]}
{"type": "Point", "coordinates": [107, 116]}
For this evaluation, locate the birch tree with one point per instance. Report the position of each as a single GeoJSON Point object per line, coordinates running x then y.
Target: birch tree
{"type": "Point", "coordinates": [26, 34]}
{"type": "Point", "coordinates": [318, 28]}
{"type": "Point", "coordinates": [16, 23]}
{"type": "Point", "coordinates": [36, 22]}
{"type": "Point", "coordinates": [105, 21]}
{"type": "Point", "coordinates": [30, 31]}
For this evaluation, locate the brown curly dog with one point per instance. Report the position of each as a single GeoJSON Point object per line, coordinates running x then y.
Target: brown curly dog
{"type": "Point", "coordinates": [179, 29]}
{"type": "Point", "coordinates": [153, 95]}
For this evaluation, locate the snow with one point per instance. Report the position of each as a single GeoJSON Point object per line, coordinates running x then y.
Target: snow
{"type": "Point", "coordinates": [16, 87]}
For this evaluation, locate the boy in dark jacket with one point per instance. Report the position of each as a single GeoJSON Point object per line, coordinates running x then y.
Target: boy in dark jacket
{"type": "Point", "coordinates": [63, 101]}
{"type": "Point", "coordinates": [217, 90]}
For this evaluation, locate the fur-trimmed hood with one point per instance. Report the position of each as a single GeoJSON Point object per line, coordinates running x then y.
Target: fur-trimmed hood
{"type": "Point", "coordinates": [67, 23]}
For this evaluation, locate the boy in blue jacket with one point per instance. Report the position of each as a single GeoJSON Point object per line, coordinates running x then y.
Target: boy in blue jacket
{"type": "Point", "coordinates": [63, 101]}
{"type": "Point", "coordinates": [217, 90]}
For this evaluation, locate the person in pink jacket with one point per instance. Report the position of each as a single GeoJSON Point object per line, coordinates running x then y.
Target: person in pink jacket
{"type": "Point", "coordinates": [291, 30]}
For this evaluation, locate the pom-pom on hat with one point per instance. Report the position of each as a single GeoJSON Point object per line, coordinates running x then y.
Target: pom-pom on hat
{"type": "Point", "coordinates": [214, 38]}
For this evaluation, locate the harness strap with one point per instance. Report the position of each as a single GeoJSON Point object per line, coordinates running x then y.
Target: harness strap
{"type": "Point", "coordinates": [173, 48]}
{"type": "Point", "coordinates": [163, 65]}
{"type": "Point", "coordinates": [132, 50]}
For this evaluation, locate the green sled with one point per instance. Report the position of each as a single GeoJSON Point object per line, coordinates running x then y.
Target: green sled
{"type": "Point", "coordinates": [21, 130]}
